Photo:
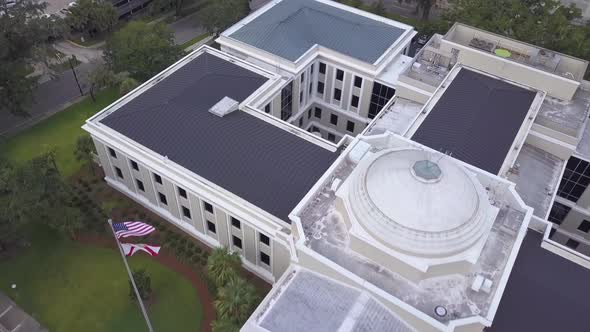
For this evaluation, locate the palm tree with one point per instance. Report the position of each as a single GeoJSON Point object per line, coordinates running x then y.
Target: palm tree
{"type": "Point", "coordinates": [236, 301]}
{"type": "Point", "coordinates": [224, 325]}
{"type": "Point", "coordinates": [85, 150]}
{"type": "Point", "coordinates": [222, 266]}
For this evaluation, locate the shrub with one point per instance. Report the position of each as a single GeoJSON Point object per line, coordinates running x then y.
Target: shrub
{"type": "Point", "coordinates": [143, 283]}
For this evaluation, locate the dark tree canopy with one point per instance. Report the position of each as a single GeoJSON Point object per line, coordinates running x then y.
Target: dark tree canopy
{"type": "Point", "coordinates": [92, 16]}
{"type": "Point", "coordinates": [141, 49]}
{"type": "Point", "coordinates": [221, 14]}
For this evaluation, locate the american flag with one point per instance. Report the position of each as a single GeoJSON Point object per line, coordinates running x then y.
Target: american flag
{"type": "Point", "coordinates": [132, 228]}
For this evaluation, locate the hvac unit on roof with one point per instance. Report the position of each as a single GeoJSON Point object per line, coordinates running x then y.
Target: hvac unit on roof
{"type": "Point", "coordinates": [225, 106]}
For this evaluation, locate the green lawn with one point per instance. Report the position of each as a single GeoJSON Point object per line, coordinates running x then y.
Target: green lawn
{"type": "Point", "coordinates": [72, 287]}
{"type": "Point", "coordinates": [59, 132]}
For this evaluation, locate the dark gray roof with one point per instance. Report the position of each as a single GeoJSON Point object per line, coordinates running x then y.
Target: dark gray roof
{"type": "Point", "coordinates": [261, 163]}
{"type": "Point", "coordinates": [545, 293]}
{"type": "Point", "coordinates": [291, 27]}
{"type": "Point", "coordinates": [476, 119]}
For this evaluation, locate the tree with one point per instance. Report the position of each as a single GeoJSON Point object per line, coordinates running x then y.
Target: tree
{"type": "Point", "coordinates": [222, 266]}
{"type": "Point", "coordinates": [127, 85]}
{"type": "Point", "coordinates": [236, 301]}
{"type": "Point", "coordinates": [224, 325]}
{"type": "Point", "coordinates": [38, 194]}
{"type": "Point", "coordinates": [379, 8]}
{"type": "Point", "coordinates": [85, 150]}
{"type": "Point", "coordinates": [546, 23]}
{"type": "Point", "coordinates": [8, 226]}
{"type": "Point", "coordinates": [221, 14]}
{"type": "Point", "coordinates": [141, 49]}
{"type": "Point", "coordinates": [144, 285]}
{"type": "Point", "coordinates": [24, 32]}
{"type": "Point", "coordinates": [425, 6]}
{"type": "Point", "coordinates": [92, 17]}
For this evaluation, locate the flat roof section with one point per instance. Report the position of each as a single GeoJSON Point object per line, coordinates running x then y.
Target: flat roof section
{"type": "Point", "coordinates": [545, 292]}
{"type": "Point", "coordinates": [291, 27]}
{"type": "Point", "coordinates": [476, 119]}
{"type": "Point", "coordinates": [263, 164]}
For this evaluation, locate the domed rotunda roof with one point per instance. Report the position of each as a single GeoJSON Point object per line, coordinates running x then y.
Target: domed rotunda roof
{"type": "Point", "coordinates": [419, 203]}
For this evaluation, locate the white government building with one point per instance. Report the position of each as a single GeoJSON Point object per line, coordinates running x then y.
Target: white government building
{"type": "Point", "coordinates": [377, 192]}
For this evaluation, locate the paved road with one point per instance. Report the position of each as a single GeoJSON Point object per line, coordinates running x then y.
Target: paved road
{"type": "Point", "coordinates": [186, 29]}
{"type": "Point", "coordinates": [50, 97]}
{"type": "Point", "coordinates": [13, 318]}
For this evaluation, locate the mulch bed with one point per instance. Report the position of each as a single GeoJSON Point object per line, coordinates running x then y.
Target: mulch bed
{"type": "Point", "coordinates": [172, 263]}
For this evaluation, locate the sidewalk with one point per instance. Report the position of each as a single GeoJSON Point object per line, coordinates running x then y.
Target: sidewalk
{"type": "Point", "coordinates": [13, 318]}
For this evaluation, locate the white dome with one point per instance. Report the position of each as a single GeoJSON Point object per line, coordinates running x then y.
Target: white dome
{"type": "Point", "coordinates": [419, 202]}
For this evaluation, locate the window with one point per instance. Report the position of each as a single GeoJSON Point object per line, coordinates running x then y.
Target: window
{"type": "Point", "coordinates": [267, 108]}
{"type": "Point", "coordinates": [350, 126]}
{"type": "Point", "coordinates": [318, 113]}
{"type": "Point", "coordinates": [321, 87]}
{"type": "Point", "coordinates": [181, 192]}
{"type": "Point", "coordinates": [331, 137]}
{"type": "Point", "coordinates": [358, 81]}
{"type": "Point", "coordinates": [139, 185]}
{"type": "Point", "coordinates": [311, 68]}
{"type": "Point", "coordinates": [237, 241]}
{"type": "Point", "coordinates": [264, 258]}
{"type": "Point", "coordinates": [236, 223]}
{"type": "Point", "coordinates": [302, 77]}
{"type": "Point", "coordinates": [264, 239]}
{"type": "Point", "coordinates": [301, 97]}
{"type": "Point", "coordinates": [211, 227]}
{"type": "Point", "coordinates": [380, 96]}
{"type": "Point", "coordinates": [300, 122]}
{"type": "Point", "coordinates": [163, 199]}
{"type": "Point", "coordinates": [322, 68]}
{"type": "Point", "coordinates": [208, 207]}
{"type": "Point", "coordinates": [584, 226]}
{"type": "Point", "coordinates": [310, 87]}
{"type": "Point", "coordinates": [112, 153]}
{"type": "Point", "coordinates": [286, 101]}
{"type": "Point", "coordinates": [119, 172]}
{"type": "Point", "coordinates": [134, 165]}
{"type": "Point", "coordinates": [337, 94]}
{"type": "Point", "coordinates": [157, 178]}
{"type": "Point", "coordinates": [575, 180]}
{"type": "Point", "coordinates": [186, 212]}
{"type": "Point", "coordinates": [355, 101]}
{"type": "Point", "coordinates": [558, 213]}
{"type": "Point", "coordinates": [334, 119]}
{"type": "Point", "coordinates": [309, 113]}
{"type": "Point", "coordinates": [339, 74]}
{"type": "Point", "coordinates": [572, 244]}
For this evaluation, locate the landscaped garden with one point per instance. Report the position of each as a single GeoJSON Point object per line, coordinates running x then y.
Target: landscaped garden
{"type": "Point", "coordinates": [70, 276]}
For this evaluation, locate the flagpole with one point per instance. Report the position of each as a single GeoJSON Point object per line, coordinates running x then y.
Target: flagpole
{"type": "Point", "coordinates": [147, 320]}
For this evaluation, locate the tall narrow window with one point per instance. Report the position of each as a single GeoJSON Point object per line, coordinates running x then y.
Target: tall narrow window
{"type": "Point", "coordinates": [339, 75]}
{"type": "Point", "coordinates": [163, 199]}
{"type": "Point", "coordinates": [112, 153]}
{"type": "Point", "coordinates": [211, 227]}
{"type": "Point", "coordinates": [322, 68]}
{"type": "Point", "coordinates": [134, 165]}
{"type": "Point", "coordinates": [182, 192]}
{"type": "Point", "coordinates": [264, 239]}
{"type": "Point", "coordinates": [358, 82]}
{"type": "Point", "coordinates": [337, 94]}
{"type": "Point", "coordinates": [208, 207]}
{"type": "Point", "coordinates": [286, 101]}
{"type": "Point", "coordinates": [334, 119]}
{"type": "Point", "coordinates": [236, 223]}
{"type": "Point", "coordinates": [321, 87]}
{"type": "Point", "coordinates": [237, 242]}
{"type": "Point", "coordinates": [354, 102]}
{"type": "Point", "coordinates": [267, 108]}
{"type": "Point", "coordinates": [318, 113]}
{"type": "Point", "coordinates": [157, 178]}
{"type": "Point", "coordinates": [119, 172]}
{"type": "Point", "coordinates": [350, 126]}
{"type": "Point", "coordinates": [264, 258]}
{"type": "Point", "coordinates": [186, 212]}
{"type": "Point", "coordinates": [139, 185]}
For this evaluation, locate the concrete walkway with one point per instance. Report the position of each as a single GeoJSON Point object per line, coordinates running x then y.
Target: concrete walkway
{"type": "Point", "coordinates": [14, 319]}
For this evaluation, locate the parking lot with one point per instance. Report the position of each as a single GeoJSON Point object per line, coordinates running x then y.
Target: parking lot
{"type": "Point", "coordinates": [54, 6]}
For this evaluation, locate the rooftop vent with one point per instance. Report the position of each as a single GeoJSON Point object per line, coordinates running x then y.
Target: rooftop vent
{"type": "Point", "coordinates": [223, 107]}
